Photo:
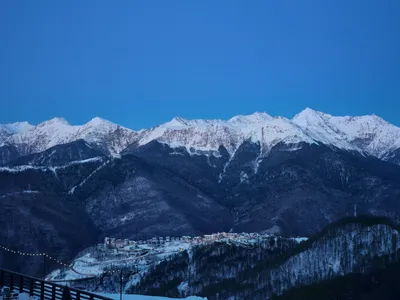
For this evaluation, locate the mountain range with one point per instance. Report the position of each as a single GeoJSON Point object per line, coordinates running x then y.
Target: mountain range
{"type": "Point", "coordinates": [369, 135]}
{"type": "Point", "coordinates": [189, 177]}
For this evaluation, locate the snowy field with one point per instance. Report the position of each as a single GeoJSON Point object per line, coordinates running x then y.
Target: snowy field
{"type": "Point", "coordinates": [88, 265]}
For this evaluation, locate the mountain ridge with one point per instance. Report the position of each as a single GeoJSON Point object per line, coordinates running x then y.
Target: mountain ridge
{"type": "Point", "coordinates": [368, 134]}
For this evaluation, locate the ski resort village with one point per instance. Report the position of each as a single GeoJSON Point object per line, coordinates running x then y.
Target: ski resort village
{"type": "Point", "coordinates": [136, 257]}
{"type": "Point", "coordinates": [157, 242]}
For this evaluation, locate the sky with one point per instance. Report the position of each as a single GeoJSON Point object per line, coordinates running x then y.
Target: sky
{"type": "Point", "coordinates": [141, 63]}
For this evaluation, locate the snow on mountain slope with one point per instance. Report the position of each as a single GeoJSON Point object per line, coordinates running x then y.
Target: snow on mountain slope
{"type": "Point", "coordinates": [18, 127]}
{"type": "Point", "coordinates": [203, 135]}
{"type": "Point", "coordinates": [366, 134]}
{"type": "Point", "coordinates": [257, 117]}
{"type": "Point", "coordinates": [269, 131]}
{"type": "Point", "coordinates": [208, 135]}
{"type": "Point", "coordinates": [106, 135]}
{"type": "Point", "coordinates": [4, 132]}
{"type": "Point", "coordinates": [7, 130]}
{"type": "Point", "coordinates": [370, 134]}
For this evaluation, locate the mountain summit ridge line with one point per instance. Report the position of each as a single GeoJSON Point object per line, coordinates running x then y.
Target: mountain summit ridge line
{"type": "Point", "coordinates": [368, 134]}
{"type": "Point", "coordinates": [11, 126]}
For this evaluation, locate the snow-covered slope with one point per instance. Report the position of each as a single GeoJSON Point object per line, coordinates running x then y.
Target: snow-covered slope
{"type": "Point", "coordinates": [7, 130]}
{"type": "Point", "coordinates": [368, 134]}
{"type": "Point", "coordinates": [18, 127]}
{"type": "Point", "coordinates": [202, 135]}
{"type": "Point", "coordinates": [4, 132]}
{"type": "Point", "coordinates": [209, 135]}
{"type": "Point", "coordinates": [106, 135]}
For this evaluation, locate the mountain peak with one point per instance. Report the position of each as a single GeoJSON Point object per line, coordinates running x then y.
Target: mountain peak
{"type": "Point", "coordinates": [308, 112]}
{"type": "Point", "coordinates": [55, 121]}
{"type": "Point", "coordinates": [378, 119]}
{"type": "Point", "coordinates": [177, 122]}
{"type": "Point", "coordinates": [257, 117]}
{"type": "Point", "coordinates": [97, 121]}
{"type": "Point", "coordinates": [307, 115]}
{"type": "Point", "coordinates": [18, 127]}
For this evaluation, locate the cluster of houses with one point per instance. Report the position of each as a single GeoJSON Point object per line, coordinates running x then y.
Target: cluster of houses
{"type": "Point", "coordinates": [231, 236]}
{"type": "Point", "coordinates": [112, 243]}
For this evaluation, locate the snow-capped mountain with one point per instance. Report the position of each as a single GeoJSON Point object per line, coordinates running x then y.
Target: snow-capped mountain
{"type": "Point", "coordinates": [366, 134]}
{"type": "Point", "coordinates": [200, 135]}
{"type": "Point", "coordinates": [7, 130]}
{"type": "Point", "coordinates": [106, 135]}
{"type": "Point", "coordinates": [370, 134]}
{"type": "Point", "coordinates": [246, 174]}
{"type": "Point", "coordinates": [209, 135]}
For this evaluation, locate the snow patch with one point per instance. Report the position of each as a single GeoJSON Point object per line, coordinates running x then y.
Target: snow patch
{"type": "Point", "coordinates": [87, 178]}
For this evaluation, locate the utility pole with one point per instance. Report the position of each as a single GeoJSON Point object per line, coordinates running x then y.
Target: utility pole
{"type": "Point", "coordinates": [120, 285]}
{"type": "Point", "coordinates": [44, 267]}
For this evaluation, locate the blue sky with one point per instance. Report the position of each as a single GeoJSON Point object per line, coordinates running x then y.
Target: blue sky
{"type": "Point", "coordinates": [140, 63]}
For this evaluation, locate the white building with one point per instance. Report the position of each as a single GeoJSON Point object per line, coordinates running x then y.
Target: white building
{"type": "Point", "coordinates": [119, 243]}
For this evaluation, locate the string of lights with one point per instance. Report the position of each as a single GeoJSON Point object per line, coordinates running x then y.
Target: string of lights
{"type": "Point", "coordinates": [34, 254]}
{"type": "Point", "coordinates": [118, 271]}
